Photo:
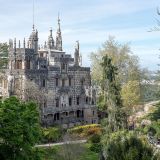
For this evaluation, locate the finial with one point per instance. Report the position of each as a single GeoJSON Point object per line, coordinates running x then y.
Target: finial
{"type": "Point", "coordinates": [77, 45]}
{"type": "Point", "coordinates": [58, 18]}
{"type": "Point", "coordinates": [33, 28]}
{"type": "Point", "coordinates": [45, 45]}
{"type": "Point", "coordinates": [24, 43]}
{"type": "Point", "coordinates": [50, 31]}
{"type": "Point", "coordinates": [33, 16]}
{"type": "Point", "coordinates": [19, 44]}
{"type": "Point", "coordinates": [14, 42]}
{"type": "Point", "coordinates": [28, 44]}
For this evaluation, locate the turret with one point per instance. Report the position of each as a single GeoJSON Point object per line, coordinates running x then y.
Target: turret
{"type": "Point", "coordinates": [50, 40]}
{"type": "Point", "coordinates": [33, 40]}
{"type": "Point", "coordinates": [59, 37]}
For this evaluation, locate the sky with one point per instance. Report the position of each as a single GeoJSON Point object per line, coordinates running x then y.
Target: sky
{"type": "Point", "coordinates": [89, 21]}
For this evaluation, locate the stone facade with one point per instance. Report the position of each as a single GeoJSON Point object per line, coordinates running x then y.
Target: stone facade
{"type": "Point", "coordinates": [71, 98]}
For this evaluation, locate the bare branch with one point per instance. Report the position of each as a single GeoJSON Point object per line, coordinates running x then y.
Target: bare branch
{"type": "Point", "coordinates": [158, 11]}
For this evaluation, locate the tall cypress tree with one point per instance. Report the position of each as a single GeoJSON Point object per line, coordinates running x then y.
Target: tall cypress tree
{"type": "Point", "coordinates": [117, 118]}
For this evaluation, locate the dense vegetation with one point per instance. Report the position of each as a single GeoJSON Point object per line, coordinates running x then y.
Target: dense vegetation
{"type": "Point", "coordinates": [19, 129]}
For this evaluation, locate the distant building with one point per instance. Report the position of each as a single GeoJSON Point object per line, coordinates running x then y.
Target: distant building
{"type": "Point", "coordinates": [72, 99]}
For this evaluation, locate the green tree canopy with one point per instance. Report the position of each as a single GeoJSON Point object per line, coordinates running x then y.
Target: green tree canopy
{"type": "Point", "coordinates": [123, 145]}
{"type": "Point", "coordinates": [127, 64]}
{"type": "Point", "coordinates": [19, 129]}
{"type": "Point", "coordinates": [122, 58]}
{"type": "Point", "coordinates": [130, 93]}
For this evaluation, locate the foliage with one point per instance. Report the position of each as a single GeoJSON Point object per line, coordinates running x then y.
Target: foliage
{"type": "Point", "coordinates": [51, 134]}
{"type": "Point", "coordinates": [86, 130]}
{"type": "Point", "coordinates": [3, 55]}
{"type": "Point", "coordinates": [117, 117]}
{"type": "Point", "coordinates": [155, 116]}
{"type": "Point", "coordinates": [123, 59]}
{"type": "Point", "coordinates": [130, 93]}
{"type": "Point", "coordinates": [20, 129]}
{"type": "Point", "coordinates": [95, 144]}
{"type": "Point", "coordinates": [121, 56]}
{"type": "Point", "coordinates": [122, 145]}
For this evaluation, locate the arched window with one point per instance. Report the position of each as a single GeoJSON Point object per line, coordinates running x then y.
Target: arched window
{"type": "Point", "coordinates": [70, 81]}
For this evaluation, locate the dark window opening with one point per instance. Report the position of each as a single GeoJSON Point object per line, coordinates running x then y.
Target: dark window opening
{"type": "Point", "coordinates": [77, 100]}
{"type": "Point", "coordinates": [28, 64]}
{"type": "Point", "coordinates": [82, 82]}
{"type": "Point", "coordinates": [70, 101]}
{"type": "Point", "coordinates": [43, 83]}
{"type": "Point", "coordinates": [57, 102]}
{"type": "Point", "coordinates": [56, 81]}
{"type": "Point", "coordinates": [56, 116]}
{"type": "Point", "coordinates": [86, 100]}
{"type": "Point", "coordinates": [70, 81]}
{"type": "Point", "coordinates": [82, 113]}
{"type": "Point", "coordinates": [45, 104]}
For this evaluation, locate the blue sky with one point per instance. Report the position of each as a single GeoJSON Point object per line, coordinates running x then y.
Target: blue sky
{"type": "Point", "coordinates": [90, 22]}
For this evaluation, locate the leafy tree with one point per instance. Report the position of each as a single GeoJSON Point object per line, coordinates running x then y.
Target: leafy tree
{"type": "Point", "coordinates": [3, 55]}
{"type": "Point", "coordinates": [155, 116]}
{"type": "Point", "coordinates": [19, 129]}
{"type": "Point", "coordinates": [130, 93]}
{"type": "Point", "coordinates": [123, 59]}
{"type": "Point", "coordinates": [123, 145]}
{"type": "Point", "coordinates": [52, 134]}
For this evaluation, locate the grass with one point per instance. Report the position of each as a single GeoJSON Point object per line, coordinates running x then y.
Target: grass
{"type": "Point", "coordinates": [68, 152]}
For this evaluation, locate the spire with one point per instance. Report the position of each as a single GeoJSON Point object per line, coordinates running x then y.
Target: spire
{"type": "Point", "coordinates": [59, 27]}
{"type": "Point", "coordinates": [33, 16]}
{"type": "Point", "coordinates": [24, 43]}
{"type": "Point", "coordinates": [14, 42]}
{"type": "Point", "coordinates": [19, 44]}
{"type": "Point", "coordinates": [59, 36]}
{"type": "Point", "coordinates": [76, 54]}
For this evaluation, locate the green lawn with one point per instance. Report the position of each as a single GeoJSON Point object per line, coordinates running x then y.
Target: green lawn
{"type": "Point", "coordinates": [68, 152]}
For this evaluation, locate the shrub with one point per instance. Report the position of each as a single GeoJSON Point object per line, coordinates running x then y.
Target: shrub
{"type": "Point", "coordinates": [94, 138]}
{"type": "Point", "coordinates": [127, 146]}
{"type": "Point", "coordinates": [95, 147]}
{"type": "Point", "coordinates": [86, 131]}
{"type": "Point", "coordinates": [51, 134]}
